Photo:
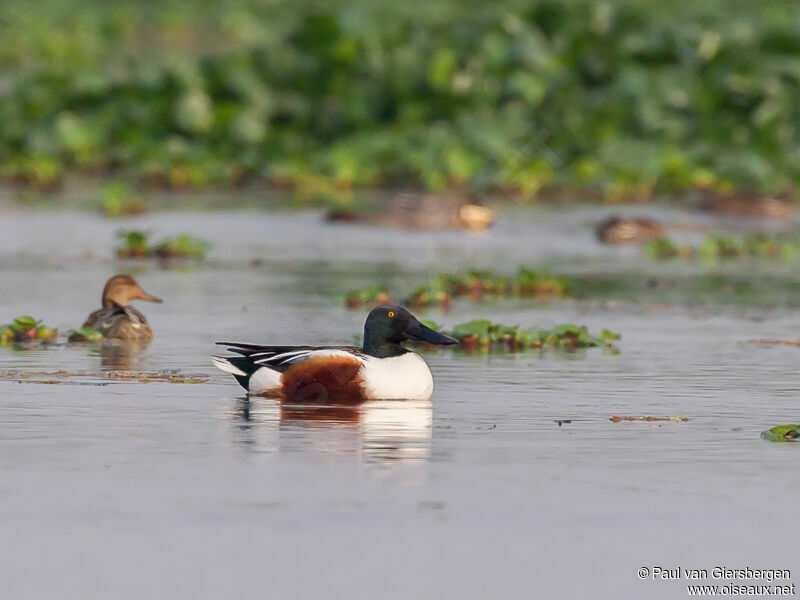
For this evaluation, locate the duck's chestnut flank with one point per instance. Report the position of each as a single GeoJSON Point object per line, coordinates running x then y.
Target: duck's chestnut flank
{"type": "Point", "coordinates": [324, 380]}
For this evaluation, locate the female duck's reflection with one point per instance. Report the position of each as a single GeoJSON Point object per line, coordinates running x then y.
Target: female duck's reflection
{"type": "Point", "coordinates": [381, 431]}
{"type": "Point", "coordinates": [120, 356]}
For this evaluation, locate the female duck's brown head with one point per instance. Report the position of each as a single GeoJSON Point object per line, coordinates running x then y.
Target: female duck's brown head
{"type": "Point", "coordinates": [121, 289]}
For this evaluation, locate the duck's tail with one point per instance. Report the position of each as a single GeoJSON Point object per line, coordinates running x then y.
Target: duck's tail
{"type": "Point", "coordinates": [240, 367]}
{"type": "Point", "coordinates": [224, 363]}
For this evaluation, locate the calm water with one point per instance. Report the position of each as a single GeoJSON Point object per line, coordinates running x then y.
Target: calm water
{"type": "Point", "coordinates": [158, 490]}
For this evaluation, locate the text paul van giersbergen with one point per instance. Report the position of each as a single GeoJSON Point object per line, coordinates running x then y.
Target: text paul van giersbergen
{"type": "Point", "coordinates": [720, 573]}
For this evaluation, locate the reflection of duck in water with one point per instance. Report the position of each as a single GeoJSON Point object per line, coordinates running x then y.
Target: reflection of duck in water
{"type": "Point", "coordinates": [381, 370]}
{"type": "Point", "coordinates": [117, 320]}
{"type": "Point", "coordinates": [420, 211]}
{"type": "Point", "coordinates": [395, 431]}
{"type": "Point", "coordinates": [120, 356]}
{"type": "Point", "coordinates": [626, 230]}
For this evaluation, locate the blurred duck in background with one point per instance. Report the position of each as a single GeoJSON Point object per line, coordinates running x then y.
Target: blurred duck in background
{"type": "Point", "coordinates": [419, 211]}
{"type": "Point", "coordinates": [749, 205]}
{"type": "Point", "coordinates": [618, 230]}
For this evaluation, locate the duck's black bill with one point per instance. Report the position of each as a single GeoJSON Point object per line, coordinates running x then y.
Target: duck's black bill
{"type": "Point", "coordinates": [420, 333]}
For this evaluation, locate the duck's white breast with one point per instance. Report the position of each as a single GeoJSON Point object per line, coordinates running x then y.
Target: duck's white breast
{"type": "Point", "coordinates": [404, 377]}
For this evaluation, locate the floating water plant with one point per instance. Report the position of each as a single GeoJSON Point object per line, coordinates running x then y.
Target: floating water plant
{"type": "Point", "coordinates": [483, 334]}
{"type": "Point", "coordinates": [760, 246]}
{"type": "Point", "coordinates": [26, 330]}
{"type": "Point", "coordinates": [782, 433]}
{"type": "Point", "coordinates": [136, 244]}
{"type": "Point", "coordinates": [369, 296]}
{"type": "Point", "coordinates": [118, 199]}
{"type": "Point", "coordinates": [442, 289]}
{"type": "Point", "coordinates": [182, 246]}
{"type": "Point", "coordinates": [453, 97]}
{"type": "Point", "coordinates": [665, 249]}
{"type": "Point", "coordinates": [84, 334]}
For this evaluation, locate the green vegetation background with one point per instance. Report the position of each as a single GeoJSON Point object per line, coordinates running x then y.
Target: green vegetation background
{"type": "Point", "coordinates": [618, 98]}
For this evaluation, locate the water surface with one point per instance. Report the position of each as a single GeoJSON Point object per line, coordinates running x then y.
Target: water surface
{"type": "Point", "coordinates": [128, 490]}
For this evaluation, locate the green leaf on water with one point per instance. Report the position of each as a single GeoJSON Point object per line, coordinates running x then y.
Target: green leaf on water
{"type": "Point", "coordinates": [84, 334]}
{"type": "Point", "coordinates": [25, 323]}
{"type": "Point", "coordinates": [782, 433]}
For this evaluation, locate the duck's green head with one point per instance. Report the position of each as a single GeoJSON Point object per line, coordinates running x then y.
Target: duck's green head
{"type": "Point", "coordinates": [387, 327]}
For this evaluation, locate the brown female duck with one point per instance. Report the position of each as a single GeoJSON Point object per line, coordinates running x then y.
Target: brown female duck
{"type": "Point", "coordinates": [117, 320]}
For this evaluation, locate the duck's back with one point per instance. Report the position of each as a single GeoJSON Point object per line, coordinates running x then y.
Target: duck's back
{"type": "Point", "coordinates": [121, 323]}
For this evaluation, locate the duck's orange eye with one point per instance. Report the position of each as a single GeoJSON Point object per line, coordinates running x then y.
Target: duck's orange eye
{"type": "Point", "coordinates": [391, 313]}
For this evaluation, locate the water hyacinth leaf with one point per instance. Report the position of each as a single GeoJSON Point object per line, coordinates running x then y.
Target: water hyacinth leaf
{"type": "Point", "coordinates": [370, 296]}
{"type": "Point", "coordinates": [182, 246]}
{"type": "Point", "coordinates": [43, 332]}
{"type": "Point", "coordinates": [25, 323]}
{"type": "Point", "coordinates": [477, 329]}
{"type": "Point", "coordinates": [26, 330]}
{"type": "Point", "coordinates": [6, 335]}
{"type": "Point", "coordinates": [136, 244]}
{"type": "Point", "coordinates": [118, 199]}
{"type": "Point", "coordinates": [782, 433]}
{"type": "Point", "coordinates": [475, 284]}
{"type": "Point", "coordinates": [84, 334]}
{"type": "Point", "coordinates": [633, 97]}
{"type": "Point", "coordinates": [778, 247]}
{"type": "Point", "coordinates": [567, 337]}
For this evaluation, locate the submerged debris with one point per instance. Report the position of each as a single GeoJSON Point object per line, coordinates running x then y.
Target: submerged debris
{"type": "Point", "coordinates": [477, 284]}
{"type": "Point", "coordinates": [51, 377]}
{"type": "Point", "coordinates": [776, 342]}
{"type": "Point", "coordinates": [26, 331]}
{"type": "Point", "coordinates": [617, 418]}
{"type": "Point", "coordinates": [782, 433]}
{"type": "Point", "coordinates": [136, 245]}
{"type": "Point", "coordinates": [485, 335]}
{"type": "Point", "coordinates": [148, 377]}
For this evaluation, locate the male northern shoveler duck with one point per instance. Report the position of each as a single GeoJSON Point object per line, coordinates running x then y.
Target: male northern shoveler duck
{"type": "Point", "coordinates": [117, 320]}
{"type": "Point", "coordinates": [381, 370]}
